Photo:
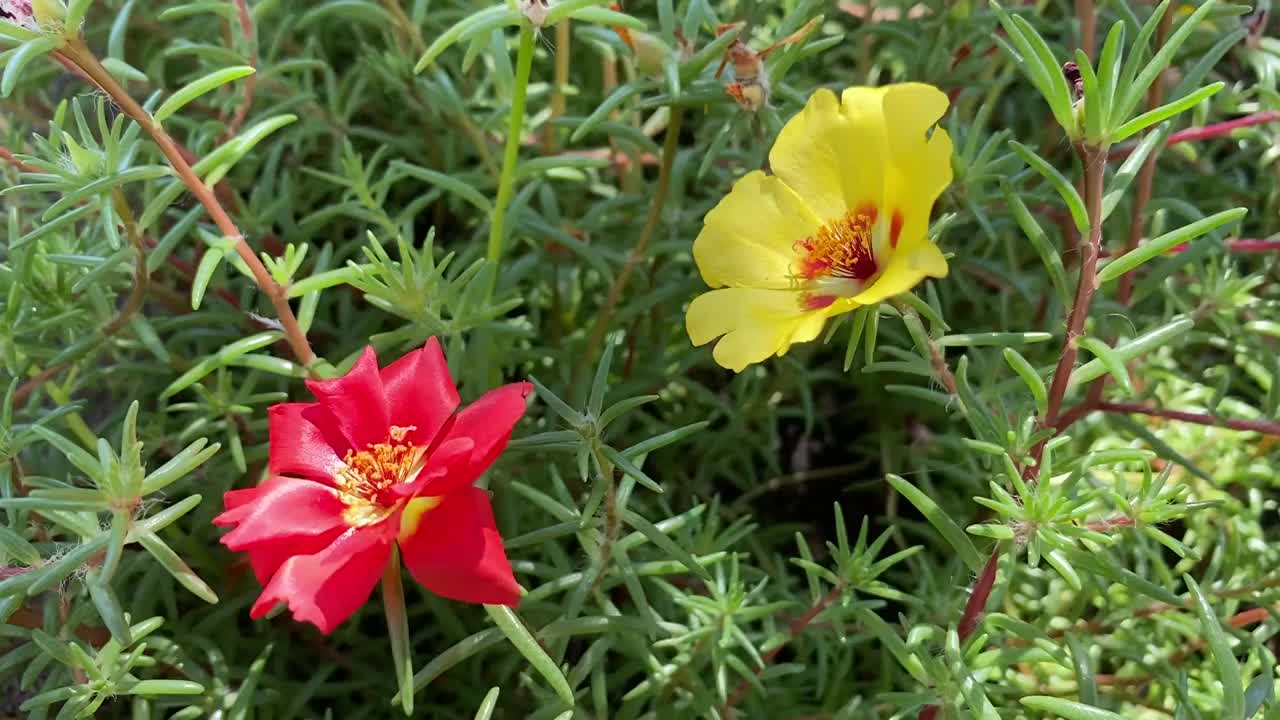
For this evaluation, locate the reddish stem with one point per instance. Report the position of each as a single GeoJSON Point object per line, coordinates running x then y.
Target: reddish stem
{"type": "Point", "coordinates": [1094, 170]}
{"type": "Point", "coordinates": [250, 82]}
{"type": "Point", "coordinates": [9, 157]}
{"type": "Point", "coordinates": [1207, 132]}
{"type": "Point", "coordinates": [1242, 246]}
{"type": "Point", "coordinates": [797, 626]}
{"type": "Point", "coordinates": [1266, 427]}
{"type": "Point", "coordinates": [973, 610]}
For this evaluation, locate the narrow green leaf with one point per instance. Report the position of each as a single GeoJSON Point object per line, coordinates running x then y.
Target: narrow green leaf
{"type": "Point", "coordinates": [558, 406]}
{"type": "Point", "coordinates": [198, 87]}
{"type": "Point", "coordinates": [600, 383]}
{"type": "Point", "coordinates": [487, 706]}
{"type": "Point", "coordinates": [1261, 692]}
{"type": "Point", "coordinates": [889, 638]}
{"type": "Point", "coordinates": [78, 456]}
{"type": "Point", "coordinates": [1048, 252]}
{"type": "Point", "coordinates": [1068, 709]}
{"type": "Point", "coordinates": [163, 687]}
{"type": "Point", "coordinates": [1136, 347]}
{"type": "Point", "coordinates": [609, 18]}
{"type": "Point", "coordinates": [14, 546]}
{"type": "Point", "coordinates": [655, 535]}
{"type": "Point", "coordinates": [486, 19]}
{"type": "Point", "coordinates": [1000, 339]}
{"type": "Point", "coordinates": [187, 460]}
{"type": "Point", "coordinates": [671, 437]}
{"type": "Point", "coordinates": [1113, 364]}
{"type": "Point", "coordinates": [58, 570]}
{"type": "Point", "coordinates": [511, 626]}
{"type": "Point", "coordinates": [1135, 91]}
{"type": "Point", "coordinates": [1166, 242]}
{"type": "Point", "coordinates": [1164, 112]}
{"type": "Point", "coordinates": [631, 469]}
{"type": "Point", "coordinates": [1128, 170]}
{"type": "Point", "coordinates": [604, 109]}
{"type": "Point", "coordinates": [1059, 562]}
{"type": "Point", "coordinates": [1233, 702]}
{"type": "Point", "coordinates": [445, 182]}
{"type": "Point", "coordinates": [204, 275]}
{"type": "Point", "coordinates": [941, 521]}
{"type": "Point", "coordinates": [25, 53]}
{"type": "Point", "coordinates": [224, 357]}
{"type": "Point", "coordinates": [1034, 382]}
{"type": "Point", "coordinates": [1109, 66]}
{"type": "Point", "coordinates": [622, 407]}
{"type": "Point", "coordinates": [108, 605]}
{"type": "Point", "coordinates": [1093, 103]}
{"type": "Point", "coordinates": [176, 567]}
{"type": "Point", "coordinates": [1065, 189]}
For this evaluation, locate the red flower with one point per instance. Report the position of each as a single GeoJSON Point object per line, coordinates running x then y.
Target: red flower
{"type": "Point", "coordinates": [382, 457]}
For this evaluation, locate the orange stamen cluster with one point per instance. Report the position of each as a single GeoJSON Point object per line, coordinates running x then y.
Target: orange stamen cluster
{"type": "Point", "coordinates": [367, 473]}
{"type": "Point", "coordinates": [841, 249]}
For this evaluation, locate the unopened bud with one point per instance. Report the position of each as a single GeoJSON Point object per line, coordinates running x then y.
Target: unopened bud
{"type": "Point", "coordinates": [85, 160]}
{"type": "Point", "coordinates": [651, 52]}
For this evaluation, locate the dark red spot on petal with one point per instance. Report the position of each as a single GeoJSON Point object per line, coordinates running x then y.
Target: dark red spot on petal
{"type": "Point", "coordinates": [817, 302]}
{"type": "Point", "coordinates": [895, 228]}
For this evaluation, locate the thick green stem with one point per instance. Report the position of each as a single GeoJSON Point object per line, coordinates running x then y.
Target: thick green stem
{"type": "Point", "coordinates": [510, 156]}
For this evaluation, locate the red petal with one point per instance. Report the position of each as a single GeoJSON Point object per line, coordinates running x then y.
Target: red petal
{"type": "Point", "coordinates": [305, 440]}
{"type": "Point", "coordinates": [488, 422]}
{"type": "Point", "coordinates": [457, 552]}
{"type": "Point", "coordinates": [357, 401]}
{"type": "Point", "coordinates": [281, 518]}
{"type": "Point", "coordinates": [420, 392]}
{"type": "Point", "coordinates": [324, 589]}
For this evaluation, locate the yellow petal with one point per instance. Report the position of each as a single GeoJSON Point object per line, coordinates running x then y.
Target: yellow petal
{"type": "Point", "coordinates": [755, 324]}
{"type": "Point", "coordinates": [907, 267]}
{"type": "Point", "coordinates": [919, 163]}
{"type": "Point", "coordinates": [747, 239]}
{"type": "Point", "coordinates": [832, 153]}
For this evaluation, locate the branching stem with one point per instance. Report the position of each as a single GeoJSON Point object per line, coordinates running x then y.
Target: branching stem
{"type": "Point", "coordinates": [78, 55]}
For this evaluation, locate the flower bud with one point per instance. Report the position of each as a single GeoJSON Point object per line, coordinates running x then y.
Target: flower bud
{"type": "Point", "coordinates": [85, 160]}
{"type": "Point", "coordinates": [651, 53]}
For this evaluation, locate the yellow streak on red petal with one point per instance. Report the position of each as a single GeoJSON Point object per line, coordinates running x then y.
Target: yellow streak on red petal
{"type": "Point", "coordinates": [412, 515]}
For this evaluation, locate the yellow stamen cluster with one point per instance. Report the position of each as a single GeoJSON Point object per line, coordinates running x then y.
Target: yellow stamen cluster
{"type": "Point", "coordinates": [366, 473]}
{"type": "Point", "coordinates": [841, 248]}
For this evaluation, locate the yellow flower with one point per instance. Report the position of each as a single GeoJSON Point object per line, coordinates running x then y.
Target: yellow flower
{"type": "Point", "coordinates": [843, 223]}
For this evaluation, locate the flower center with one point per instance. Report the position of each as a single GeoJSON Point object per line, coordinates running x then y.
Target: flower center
{"type": "Point", "coordinates": [838, 261]}
{"type": "Point", "coordinates": [366, 475]}
{"type": "Point", "coordinates": [841, 249]}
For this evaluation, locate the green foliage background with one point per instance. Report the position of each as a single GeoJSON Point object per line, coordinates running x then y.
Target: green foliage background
{"type": "Point", "coordinates": [1136, 579]}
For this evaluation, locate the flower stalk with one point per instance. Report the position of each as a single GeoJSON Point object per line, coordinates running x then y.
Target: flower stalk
{"type": "Point", "coordinates": [510, 154]}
